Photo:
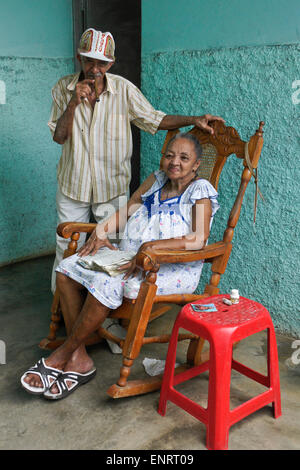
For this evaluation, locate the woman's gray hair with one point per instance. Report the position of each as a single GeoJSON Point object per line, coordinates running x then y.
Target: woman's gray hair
{"type": "Point", "coordinates": [191, 138]}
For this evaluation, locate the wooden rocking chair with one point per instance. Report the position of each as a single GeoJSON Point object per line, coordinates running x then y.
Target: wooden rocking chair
{"type": "Point", "coordinates": [136, 314]}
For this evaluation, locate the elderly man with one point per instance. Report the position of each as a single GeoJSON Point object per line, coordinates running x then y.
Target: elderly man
{"type": "Point", "coordinates": [90, 117]}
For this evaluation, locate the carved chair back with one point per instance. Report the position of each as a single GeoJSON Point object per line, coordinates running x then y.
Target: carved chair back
{"type": "Point", "coordinates": [218, 147]}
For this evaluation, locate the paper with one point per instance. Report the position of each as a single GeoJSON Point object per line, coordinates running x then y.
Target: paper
{"type": "Point", "coordinates": [204, 308]}
{"type": "Point", "coordinates": [154, 366]}
{"type": "Point", "coordinates": [112, 325]}
{"type": "Point", "coordinates": [106, 260]}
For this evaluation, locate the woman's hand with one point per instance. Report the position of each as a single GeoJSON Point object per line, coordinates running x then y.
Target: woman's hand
{"type": "Point", "coordinates": [94, 243]}
{"type": "Point", "coordinates": [130, 269]}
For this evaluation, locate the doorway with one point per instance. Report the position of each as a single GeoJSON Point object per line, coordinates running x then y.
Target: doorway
{"type": "Point", "coordinates": [123, 20]}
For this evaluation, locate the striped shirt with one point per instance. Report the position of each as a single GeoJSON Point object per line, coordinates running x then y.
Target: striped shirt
{"type": "Point", "coordinates": [95, 162]}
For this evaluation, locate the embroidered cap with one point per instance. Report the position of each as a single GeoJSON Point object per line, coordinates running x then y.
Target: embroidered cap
{"type": "Point", "coordinates": [97, 45]}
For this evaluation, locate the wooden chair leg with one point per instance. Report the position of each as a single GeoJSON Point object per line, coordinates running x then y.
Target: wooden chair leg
{"type": "Point", "coordinates": [218, 266]}
{"type": "Point", "coordinates": [134, 340]}
{"type": "Point", "coordinates": [195, 356]}
{"type": "Point", "coordinates": [51, 341]}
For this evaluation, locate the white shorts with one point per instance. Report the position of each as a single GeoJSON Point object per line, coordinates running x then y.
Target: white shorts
{"type": "Point", "coordinates": [69, 210]}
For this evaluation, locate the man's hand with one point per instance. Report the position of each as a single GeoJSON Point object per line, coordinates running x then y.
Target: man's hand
{"type": "Point", "coordinates": [93, 244]}
{"type": "Point", "coordinates": [203, 122]}
{"type": "Point", "coordinates": [64, 125]}
{"type": "Point", "coordinates": [170, 122]}
{"type": "Point", "coordinates": [82, 90]}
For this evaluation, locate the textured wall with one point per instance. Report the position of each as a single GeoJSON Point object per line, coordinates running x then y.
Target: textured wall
{"type": "Point", "coordinates": [28, 157]}
{"type": "Point", "coordinates": [36, 48]}
{"type": "Point", "coordinates": [244, 85]}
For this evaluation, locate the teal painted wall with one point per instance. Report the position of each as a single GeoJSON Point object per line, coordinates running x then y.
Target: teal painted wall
{"type": "Point", "coordinates": [36, 48]}
{"type": "Point", "coordinates": [182, 25]}
{"type": "Point", "coordinates": [36, 28]}
{"type": "Point", "coordinates": [244, 84]}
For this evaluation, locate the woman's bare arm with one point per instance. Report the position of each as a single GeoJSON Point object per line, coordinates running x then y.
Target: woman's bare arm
{"type": "Point", "coordinates": [116, 222]}
{"type": "Point", "coordinates": [201, 216]}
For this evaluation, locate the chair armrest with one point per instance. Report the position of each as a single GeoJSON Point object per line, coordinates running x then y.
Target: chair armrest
{"type": "Point", "coordinates": [150, 257]}
{"type": "Point", "coordinates": [66, 229]}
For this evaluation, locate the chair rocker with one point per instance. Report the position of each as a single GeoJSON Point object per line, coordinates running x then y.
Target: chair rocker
{"type": "Point", "coordinates": [136, 314]}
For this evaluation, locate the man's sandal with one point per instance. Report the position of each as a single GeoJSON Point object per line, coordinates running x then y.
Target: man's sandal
{"type": "Point", "coordinates": [65, 388]}
{"type": "Point", "coordinates": [48, 376]}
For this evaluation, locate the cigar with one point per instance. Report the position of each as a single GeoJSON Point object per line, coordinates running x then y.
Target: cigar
{"type": "Point", "coordinates": [97, 85]}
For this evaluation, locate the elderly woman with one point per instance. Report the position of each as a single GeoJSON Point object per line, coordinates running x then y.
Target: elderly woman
{"type": "Point", "coordinates": [172, 209]}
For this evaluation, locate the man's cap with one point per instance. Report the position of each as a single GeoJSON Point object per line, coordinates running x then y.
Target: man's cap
{"type": "Point", "coordinates": [97, 45]}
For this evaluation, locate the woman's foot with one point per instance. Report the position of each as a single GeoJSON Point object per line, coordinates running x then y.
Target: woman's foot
{"type": "Point", "coordinates": [39, 378]}
{"type": "Point", "coordinates": [57, 360]}
{"type": "Point", "coordinates": [79, 362]}
{"type": "Point", "coordinates": [34, 380]}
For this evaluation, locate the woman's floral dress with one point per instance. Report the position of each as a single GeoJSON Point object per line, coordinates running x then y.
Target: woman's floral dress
{"type": "Point", "coordinates": [154, 220]}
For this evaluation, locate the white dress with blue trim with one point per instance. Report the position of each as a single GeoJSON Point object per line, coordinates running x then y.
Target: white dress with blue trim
{"type": "Point", "coordinates": [154, 220]}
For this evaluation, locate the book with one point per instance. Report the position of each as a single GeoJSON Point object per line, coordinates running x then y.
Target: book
{"type": "Point", "coordinates": [106, 260]}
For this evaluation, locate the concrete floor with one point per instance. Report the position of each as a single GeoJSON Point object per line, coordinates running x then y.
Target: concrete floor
{"type": "Point", "coordinates": [90, 419]}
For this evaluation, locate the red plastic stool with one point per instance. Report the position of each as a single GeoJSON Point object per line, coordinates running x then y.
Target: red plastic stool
{"type": "Point", "coordinates": [222, 328]}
